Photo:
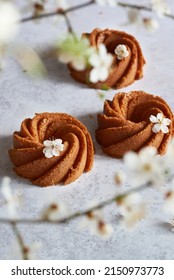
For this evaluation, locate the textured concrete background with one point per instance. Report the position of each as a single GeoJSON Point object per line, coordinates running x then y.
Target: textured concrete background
{"type": "Point", "coordinates": [21, 97]}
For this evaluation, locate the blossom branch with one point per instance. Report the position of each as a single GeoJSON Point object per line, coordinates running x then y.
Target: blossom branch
{"type": "Point", "coordinates": [58, 12]}
{"type": "Point", "coordinates": [68, 23]}
{"type": "Point", "coordinates": [80, 6]}
{"type": "Point", "coordinates": [141, 7]}
{"type": "Point", "coordinates": [79, 213]}
{"type": "Point", "coordinates": [24, 249]}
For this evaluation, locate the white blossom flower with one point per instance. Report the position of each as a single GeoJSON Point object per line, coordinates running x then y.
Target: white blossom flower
{"type": "Point", "coordinates": [121, 52]}
{"type": "Point", "coordinates": [132, 208]}
{"type": "Point", "coordinates": [62, 4]}
{"type": "Point", "coordinates": [75, 51]}
{"type": "Point", "coordinates": [102, 229]}
{"type": "Point", "coordinates": [12, 199]}
{"type": "Point", "coordinates": [120, 178]}
{"type": "Point", "coordinates": [101, 62]}
{"type": "Point", "coordinates": [54, 211]}
{"type": "Point", "coordinates": [9, 22]}
{"type": "Point", "coordinates": [53, 147]}
{"type": "Point", "coordinates": [145, 167]}
{"type": "Point", "coordinates": [94, 221]}
{"type": "Point", "coordinates": [160, 7]}
{"type": "Point", "coordinates": [150, 24]}
{"type": "Point", "coordinates": [133, 16]}
{"type": "Point", "coordinates": [169, 202]}
{"type": "Point", "coordinates": [111, 3]}
{"type": "Point", "coordinates": [161, 123]}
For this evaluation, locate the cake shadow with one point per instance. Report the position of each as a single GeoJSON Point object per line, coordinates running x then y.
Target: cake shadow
{"type": "Point", "coordinates": [57, 72]}
{"type": "Point", "coordinates": [165, 226]}
{"type": "Point", "coordinates": [6, 168]}
{"type": "Point", "coordinates": [90, 121]}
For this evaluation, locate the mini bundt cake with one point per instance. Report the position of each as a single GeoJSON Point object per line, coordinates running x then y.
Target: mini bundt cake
{"type": "Point", "coordinates": [52, 148]}
{"type": "Point", "coordinates": [125, 69]}
{"type": "Point", "coordinates": [132, 121]}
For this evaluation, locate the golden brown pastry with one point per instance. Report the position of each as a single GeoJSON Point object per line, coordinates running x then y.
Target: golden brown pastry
{"type": "Point", "coordinates": [124, 71]}
{"type": "Point", "coordinates": [132, 121]}
{"type": "Point", "coordinates": [52, 148]}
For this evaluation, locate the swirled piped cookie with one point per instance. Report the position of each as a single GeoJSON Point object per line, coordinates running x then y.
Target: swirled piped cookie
{"type": "Point", "coordinates": [127, 64]}
{"type": "Point", "coordinates": [52, 148]}
{"type": "Point", "coordinates": [132, 121]}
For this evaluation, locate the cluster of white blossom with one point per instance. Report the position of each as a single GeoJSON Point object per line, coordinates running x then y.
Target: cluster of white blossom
{"type": "Point", "coordinates": [160, 8]}
{"type": "Point", "coordinates": [38, 7]}
{"type": "Point", "coordinates": [132, 209]}
{"type": "Point", "coordinates": [144, 169]}
{"type": "Point", "coordinates": [95, 222]}
{"type": "Point", "coordinates": [81, 55]}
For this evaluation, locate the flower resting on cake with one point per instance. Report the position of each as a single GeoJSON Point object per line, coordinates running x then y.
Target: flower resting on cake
{"type": "Point", "coordinates": [161, 123]}
{"type": "Point", "coordinates": [126, 65]}
{"type": "Point", "coordinates": [121, 52]}
{"type": "Point", "coordinates": [53, 148]}
{"type": "Point", "coordinates": [133, 121]}
{"type": "Point", "coordinates": [101, 63]}
{"type": "Point", "coordinates": [50, 162]}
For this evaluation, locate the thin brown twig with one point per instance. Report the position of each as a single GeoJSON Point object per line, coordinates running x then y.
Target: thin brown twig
{"type": "Point", "coordinates": [80, 6]}
{"type": "Point", "coordinates": [139, 7]}
{"type": "Point", "coordinates": [76, 214]}
{"type": "Point", "coordinates": [58, 12]}
{"type": "Point", "coordinates": [24, 249]}
{"type": "Point", "coordinates": [68, 24]}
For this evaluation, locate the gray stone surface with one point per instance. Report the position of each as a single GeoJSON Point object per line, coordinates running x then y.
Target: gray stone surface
{"type": "Point", "coordinates": [21, 97]}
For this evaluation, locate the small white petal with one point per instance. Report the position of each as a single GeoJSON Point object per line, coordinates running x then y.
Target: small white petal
{"type": "Point", "coordinates": [132, 198]}
{"type": "Point", "coordinates": [48, 153]}
{"type": "Point", "coordinates": [156, 128]}
{"type": "Point", "coordinates": [108, 60]}
{"type": "Point", "coordinates": [164, 128]}
{"type": "Point", "coordinates": [94, 60]}
{"type": "Point", "coordinates": [166, 121]}
{"type": "Point", "coordinates": [147, 153]}
{"type": "Point", "coordinates": [133, 15]}
{"type": "Point", "coordinates": [160, 116]}
{"type": "Point", "coordinates": [153, 119]}
{"type": "Point", "coordinates": [131, 160]}
{"type": "Point", "coordinates": [79, 64]}
{"type": "Point", "coordinates": [150, 24]}
{"type": "Point", "coordinates": [93, 77]}
{"type": "Point", "coordinates": [47, 143]}
{"type": "Point", "coordinates": [102, 51]}
{"type": "Point", "coordinates": [56, 142]}
{"type": "Point", "coordinates": [103, 74]}
{"type": "Point", "coordinates": [64, 58]}
{"type": "Point", "coordinates": [55, 152]}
